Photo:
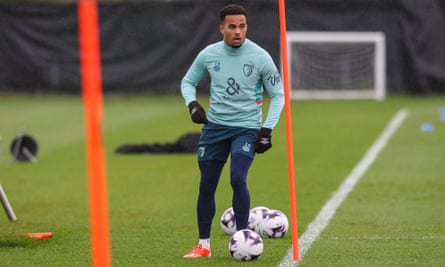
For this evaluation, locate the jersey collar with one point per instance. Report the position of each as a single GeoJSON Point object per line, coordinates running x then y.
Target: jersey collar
{"type": "Point", "coordinates": [235, 51]}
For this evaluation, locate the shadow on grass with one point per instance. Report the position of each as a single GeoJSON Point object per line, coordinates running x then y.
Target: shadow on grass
{"type": "Point", "coordinates": [13, 244]}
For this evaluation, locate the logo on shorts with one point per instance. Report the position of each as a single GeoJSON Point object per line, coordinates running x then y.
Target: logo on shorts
{"type": "Point", "coordinates": [246, 147]}
{"type": "Point", "coordinates": [201, 151]}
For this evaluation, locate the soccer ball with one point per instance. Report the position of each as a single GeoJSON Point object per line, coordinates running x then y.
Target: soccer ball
{"type": "Point", "coordinates": [246, 245]}
{"type": "Point", "coordinates": [227, 221]}
{"type": "Point", "coordinates": [273, 225]}
{"type": "Point", "coordinates": [255, 216]}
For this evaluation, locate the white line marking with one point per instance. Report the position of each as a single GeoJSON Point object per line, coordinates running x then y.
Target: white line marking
{"type": "Point", "coordinates": [354, 238]}
{"type": "Point", "coordinates": [327, 212]}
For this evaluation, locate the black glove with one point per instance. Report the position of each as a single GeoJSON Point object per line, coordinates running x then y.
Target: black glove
{"type": "Point", "coordinates": [264, 140]}
{"type": "Point", "coordinates": [197, 113]}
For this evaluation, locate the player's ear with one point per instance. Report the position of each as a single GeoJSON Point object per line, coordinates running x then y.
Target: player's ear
{"type": "Point", "coordinates": [221, 29]}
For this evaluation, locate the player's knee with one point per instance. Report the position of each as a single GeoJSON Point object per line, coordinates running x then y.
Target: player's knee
{"type": "Point", "coordinates": [238, 182]}
{"type": "Point", "coordinates": [238, 175]}
{"type": "Point", "coordinates": [207, 189]}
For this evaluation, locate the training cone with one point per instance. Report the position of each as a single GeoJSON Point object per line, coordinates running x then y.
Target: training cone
{"type": "Point", "coordinates": [427, 127]}
{"type": "Point", "coordinates": [40, 236]}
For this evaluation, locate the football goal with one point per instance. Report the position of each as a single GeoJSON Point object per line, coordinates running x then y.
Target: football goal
{"type": "Point", "coordinates": [337, 65]}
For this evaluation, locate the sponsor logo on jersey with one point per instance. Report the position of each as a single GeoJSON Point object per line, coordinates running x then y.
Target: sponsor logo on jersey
{"type": "Point", "coordinates": [216, 65]}
{"type": "Point", "coordinates": [274, 79]}
{"type": "Point", "coordinates": [233, 87]}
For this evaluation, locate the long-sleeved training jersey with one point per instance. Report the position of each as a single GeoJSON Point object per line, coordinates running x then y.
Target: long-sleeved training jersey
{"type": "Point", "coordinates": [238, 77]}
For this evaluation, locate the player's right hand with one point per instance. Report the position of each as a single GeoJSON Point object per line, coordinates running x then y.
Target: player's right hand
{"type": "Point", "coordinates": [197, 113]}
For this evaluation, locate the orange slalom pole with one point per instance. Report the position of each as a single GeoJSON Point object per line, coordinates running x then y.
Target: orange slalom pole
{"type": "Point", "coordinates": [92, 98]}
{"type": "Point", "coordinates": [290, 148]}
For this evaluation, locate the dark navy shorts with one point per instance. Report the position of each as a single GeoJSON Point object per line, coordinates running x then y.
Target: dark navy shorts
{"type": "Point", "coordinates": [217, 141]}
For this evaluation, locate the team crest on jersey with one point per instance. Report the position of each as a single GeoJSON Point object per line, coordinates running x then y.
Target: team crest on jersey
{"type": "Point", "coordinates": [248, 69]}
{"type": "Point", "coordinates": [216, 65]}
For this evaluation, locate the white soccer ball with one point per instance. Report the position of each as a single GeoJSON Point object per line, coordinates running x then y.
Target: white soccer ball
{"type": "Point", "coordinates": [273, 225]}
{"type": "Point", "coordinates": [246, 245]}
{"type": "Point", "coordinates": [255, 216]}
{"type": "Point", "coordinates": [227, 221]}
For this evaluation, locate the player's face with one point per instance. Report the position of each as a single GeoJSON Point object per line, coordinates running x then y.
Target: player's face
{"type": "Point", "coordinates": [234, 29]}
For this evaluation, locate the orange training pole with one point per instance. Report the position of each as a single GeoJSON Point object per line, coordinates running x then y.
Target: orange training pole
{"type": "Point", "coordinates": [290, 148]}
{"type": "Point", "coordinates": [92, 99]}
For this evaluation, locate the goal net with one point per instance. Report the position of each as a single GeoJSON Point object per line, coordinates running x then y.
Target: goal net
{"type": "Point", "coordinates": [337, 65]}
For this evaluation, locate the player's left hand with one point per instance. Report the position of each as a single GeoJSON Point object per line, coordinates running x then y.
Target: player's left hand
{"type": "Point", "coordinates": [264, 140]}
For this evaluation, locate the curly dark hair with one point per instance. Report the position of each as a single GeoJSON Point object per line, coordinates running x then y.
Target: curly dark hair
{"type": "Point", "coordinates": [231, 9]}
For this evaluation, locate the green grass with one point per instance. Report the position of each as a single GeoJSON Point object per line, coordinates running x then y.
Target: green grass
{"type": "Point", "coordinates": [394, 217]}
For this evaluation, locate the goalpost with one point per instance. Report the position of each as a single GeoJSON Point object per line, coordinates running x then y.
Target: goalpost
{"type": "Point", "coordinates": [337, 65]}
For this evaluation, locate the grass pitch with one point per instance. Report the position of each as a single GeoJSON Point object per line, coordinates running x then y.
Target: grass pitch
{"type": "Point", "coordinates": [394, 217]}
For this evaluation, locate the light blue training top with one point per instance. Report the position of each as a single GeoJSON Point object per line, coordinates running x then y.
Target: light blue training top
{"type": "Point", "coordinates": [238, 77]}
